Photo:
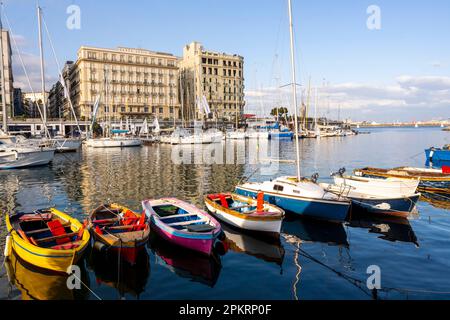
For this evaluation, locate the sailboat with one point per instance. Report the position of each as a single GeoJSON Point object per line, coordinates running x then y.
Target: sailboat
{"type": "Point", "coordinates": [114, 138]}
{"type": "Point", "coordinates": [18, 152]}
{"type": "Point", "coordinates": [297, 194]}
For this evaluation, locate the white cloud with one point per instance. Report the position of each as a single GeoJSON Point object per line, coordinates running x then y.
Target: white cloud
{"type": "Point", "coordinates": [408, 98]}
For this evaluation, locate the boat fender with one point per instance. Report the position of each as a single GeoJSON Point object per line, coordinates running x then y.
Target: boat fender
{"type": "Point", "coordinates": [100, 246]}
{"type": "Point", "coordinates": [431, 154]}
{"type": "Point", "coordinates": [7, 251]}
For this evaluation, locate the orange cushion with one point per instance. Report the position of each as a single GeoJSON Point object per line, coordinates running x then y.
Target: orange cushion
{"type": "Point", "coordinates": [57, 229]}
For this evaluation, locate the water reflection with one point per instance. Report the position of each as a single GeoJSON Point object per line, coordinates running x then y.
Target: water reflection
{"type": "Point", "coordinates": [390, 228]}
{"type": "Point", "coordinates": [265, 248]}
{"type": "Point", "coordinates": [38, 284]}
{"type": "Point", "coordinates": [120, 275]}
{"type": "Point", "coordinates": [308, 230]}
{"type": "Point", "coordinates": [185, 263]}
{"type": "Point", "coordinates": [437, 200]}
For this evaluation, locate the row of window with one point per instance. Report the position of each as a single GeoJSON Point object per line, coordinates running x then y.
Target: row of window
{"type": "Point", "coordinates": [106, 56]}
{"type": "Point", "coordinates": [228, 63]}
{"type": "Point", "coordinates": [122, 109]}
{"type": "Point", "coordinates": [225, 72]}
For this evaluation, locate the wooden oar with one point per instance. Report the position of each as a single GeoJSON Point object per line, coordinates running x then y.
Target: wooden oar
{"type": "Point", "coordinates": [67, 224]}
{"type": "Point", "coordinates": [66, 235]}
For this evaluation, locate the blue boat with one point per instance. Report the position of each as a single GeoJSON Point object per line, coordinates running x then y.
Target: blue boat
{"type": "Point", "coordinates": [281, 134]}
{"type": "Point", "coordinates": [304, 198]}
{"type": "Point", "coordinates": [434, 155]}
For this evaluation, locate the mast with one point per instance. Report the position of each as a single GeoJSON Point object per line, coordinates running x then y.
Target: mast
{"type": "Point", "coordinates": [182, 102]}
{"type": "Point", "coordinates": [41, 53]}
{"type": "Point", "coordinates": [315, 108]}
{"type": "Point", "coordinates": [294, 91]}
{"type": "Point", "coordinates": [5, 113]}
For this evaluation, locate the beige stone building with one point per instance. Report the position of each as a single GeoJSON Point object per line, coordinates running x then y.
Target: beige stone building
{"type": "Point", "coordinates": [7, 66]}
{"type": "Point", "coordinates": [217, 76]}
{"type": "Point", "coordinates": [134, 83]}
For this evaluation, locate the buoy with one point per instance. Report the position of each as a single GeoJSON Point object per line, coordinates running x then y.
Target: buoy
{"type": "Point", "coordinates": [7, 252]}
{"type": "Point", "coordinates": [100, 246]}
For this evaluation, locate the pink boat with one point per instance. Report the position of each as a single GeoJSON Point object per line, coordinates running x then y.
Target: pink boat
{"type": "Point", "coordinates": [183, 224]}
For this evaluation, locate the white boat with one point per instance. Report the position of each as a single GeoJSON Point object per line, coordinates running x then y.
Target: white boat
{"type": "Point", "coordinates": [67, 144]}
{"type": "Point", "coordinates": [235, 135]}
{"type": "Point", "coordinates": [296, 194]}
{"type": "Point", "coordinates": [374, 186]}
{"type": "Point", "coordinates": [113, 142]}
{"type": "Point", "coordinates": [391, 204]}
{"type": "Point", "coordinates": [245, 212]}
{"type": "Point", "coordinates": [257, 134]}
{"type": "Point", "coordinates": [302, 197]}
{"type": "Point", "coordinates": [15, 157]}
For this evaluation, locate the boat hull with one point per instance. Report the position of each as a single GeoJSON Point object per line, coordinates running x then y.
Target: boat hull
{"type": "Point", "coordinates": [281, 135]}
{"type": "Point", "coordinates": [244, 222]}
{"type": "Point", "coordinates": [67, 145]}
{"type": "Point", "coordinates": [437, 155]}
{"type": "Point", "coordinates": [26, 159]}
{"type": "Point", "coordinates": [113, 143]}
{"type": "Point", "coordinates": [333, 211]}
{"type": "Point", "coordinates": [398, 207]}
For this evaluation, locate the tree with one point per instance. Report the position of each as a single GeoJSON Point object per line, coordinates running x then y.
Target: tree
{"type": "Point", "coordinates": [97, 129]}
{"type": "Point", "coordinates": [281, 111]}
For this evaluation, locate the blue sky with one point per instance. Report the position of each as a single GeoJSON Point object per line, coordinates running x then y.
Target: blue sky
{"type": "Point", "coordinates": [400, 72]}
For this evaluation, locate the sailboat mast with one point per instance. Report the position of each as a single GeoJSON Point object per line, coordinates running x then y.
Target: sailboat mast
{"type": "Point", "coordinates": [315, 108]}
{"type": "Point", "coordinates": [182, 102]}
{"type": "Point", "coordinates": [5, 112]}
{"type": "Point", "coordinates": [41, 53]}
{"type": "Point", "coordinates": [294, 90]}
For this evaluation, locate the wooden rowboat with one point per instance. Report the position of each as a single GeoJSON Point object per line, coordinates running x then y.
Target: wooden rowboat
{"type": "Point", "coordinates": [183, 224]}
{"type": "Point", "coordinates": [245, 212]}
{"type": "Point", "coordinates": [117, 228]}
{"type": "Point", "coordinates": [424, 174]}
{"type": "Point", "coordinates": [48, 238]}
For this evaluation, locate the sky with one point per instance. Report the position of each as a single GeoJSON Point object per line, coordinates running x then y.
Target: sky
{"type": "Point", "coordinates": [398, 72]}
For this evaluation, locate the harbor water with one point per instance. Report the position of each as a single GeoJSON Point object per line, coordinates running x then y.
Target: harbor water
{"type": "Point", "coordinates": [311, 260]}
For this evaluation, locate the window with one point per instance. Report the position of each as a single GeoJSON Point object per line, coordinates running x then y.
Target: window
{"type": "Point", "coordinates": [171, 109]}
{"type": "Point", "coordinates": [146, 109]}
{"type": "Point", "coordinates": [277, 187]}
{"type": "Point", "coordinates": [160, 110]}
{"type": "Point", "coordinates": [153, 109]}
{"type": "Point", "coordinates": [122, 108]}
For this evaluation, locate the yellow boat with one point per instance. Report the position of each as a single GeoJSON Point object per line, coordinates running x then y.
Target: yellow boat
{"type": "Point", "coordinates": [48, 239]}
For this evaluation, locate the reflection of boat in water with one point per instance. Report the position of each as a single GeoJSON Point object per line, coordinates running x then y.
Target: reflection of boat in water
{"type": "Point", "coordinates": [256, 245]}
{"type": "Point", "coordinates": [315, 231]}
{"type": "Point", "coordinates": [436, 198]}
{"type": "Point", "coordinates": [390, 228]}
{"type": "Point", "coordinates": [39, 284]}
{"type": "Point", "coordinates": [124, 277]}
{"type": "Point", "coordinates": [185, 263]}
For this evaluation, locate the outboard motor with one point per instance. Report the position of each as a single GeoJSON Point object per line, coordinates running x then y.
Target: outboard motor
{"type": "Point", "coordinates": [340, 172]}
{"type": "Point", "coordinates": [430, 158]}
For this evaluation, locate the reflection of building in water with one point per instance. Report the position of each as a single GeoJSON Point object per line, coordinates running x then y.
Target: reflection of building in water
{"type": "Point", "coordinates": [390, 228]}
{"type": "Point", "coordinates": [130, 175]}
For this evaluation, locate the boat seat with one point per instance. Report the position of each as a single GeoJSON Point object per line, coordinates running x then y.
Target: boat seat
{"type": "Point", "coordinates": [57, 229]}
{"type": "Point", "coordinates": [179, 215]}
{"type": "Point", "coordinates": [200, 228]}
{"type": "Point", "coordinates": [242, 207]}
{"type": "Point", "coordinates": [186, 223]}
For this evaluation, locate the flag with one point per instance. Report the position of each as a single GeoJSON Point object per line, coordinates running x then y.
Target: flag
{"type": "Point", "coordinates": [199, 104]}
{"type": "Point", "coordinates": [144, 128]}
{"type": "Point", "coordinates": [63, 83]}
{"type": "Point", "coordinates": [156, 125]}
{"type": "Point", "coordinates": [205, 105]}
{"type": "Point", "coordinates": [94, 111]}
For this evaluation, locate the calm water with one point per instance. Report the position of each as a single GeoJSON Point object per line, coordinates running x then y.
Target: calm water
{"type": "Point", "coordinates": [311, 261]}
